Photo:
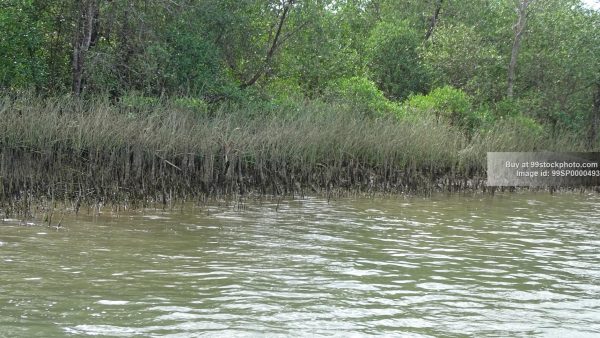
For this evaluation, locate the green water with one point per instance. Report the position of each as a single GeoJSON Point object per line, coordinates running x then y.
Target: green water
{"type": "Point", "coordinates": [515, 265]}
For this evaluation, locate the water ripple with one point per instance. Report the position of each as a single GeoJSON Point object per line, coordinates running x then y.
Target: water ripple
{"type": "Point", "coordinates": [512, 265]}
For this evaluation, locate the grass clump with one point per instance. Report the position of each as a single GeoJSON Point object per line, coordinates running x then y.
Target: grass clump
{"type": "Point", "coordinates": [89, 152]}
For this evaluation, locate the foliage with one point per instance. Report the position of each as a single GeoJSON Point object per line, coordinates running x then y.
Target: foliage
{"type": "Point", "coordinates": [527, 125]}
{"type": "Point", "coordinates": [362, 95]}
{"type": "Point", "coordinates": [193, 105]}
{"type": "Point", "coordinates": [451, 104]}
{"type": "Point", "coordinates": [135, 103]}
{"type": "Point", "coordinates": [33, 44]}
{"type": "Point", "coordinates": [561, 63]}
{"type": "Point", "coordinates": [507, 108]}
{"type": "Point", "coordinates": [275, 56]}
{"type": "Point", "coordinates": [394, 60]}
{"type": "Point", "coordinates": [326, 49]}
{"type": "Point", "coordinates": [100, 154]}
{"type": "Point", "coordinates": [459, 56]}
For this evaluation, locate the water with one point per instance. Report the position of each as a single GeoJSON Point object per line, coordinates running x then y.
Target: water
{"type": "Point", "coordinates": [513, 265]}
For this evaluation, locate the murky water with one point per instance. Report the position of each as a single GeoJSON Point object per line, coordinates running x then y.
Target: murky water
{"type": "Point", "coordinates": [504, 266]}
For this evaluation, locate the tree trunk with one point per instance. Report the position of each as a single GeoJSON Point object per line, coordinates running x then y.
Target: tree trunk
{"type": "Point", "coordinates": [594, 118]}
{"type": "Point", "coordinates": [124, 55]}
{"type": "Point", "coordinates": [84, 31]}
{"type": "Point", "coordinates": [434, 19]}
{"type": "Point", "coordinates": [519, 28]}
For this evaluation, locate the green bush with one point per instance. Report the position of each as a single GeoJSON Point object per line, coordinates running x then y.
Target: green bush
{"type": "Point", "coordinates": [526, 125]}
{"type": "Point", "coordinates": [510, 112]}
{"type": "Point", "coordinates": [451, 104]}
{"type": "Point", "coordinates": [507, 107]}
{"type": "Point", "coordinates": [460, 55]}
{"type": "Point", "coordinates": [362, 95]}
{"type": "Point", "coordinates": [285, 94]}
{"type": "Point", "coordinates": [191, 104]}
{"type": "Point", "coordinates": [139, 103]}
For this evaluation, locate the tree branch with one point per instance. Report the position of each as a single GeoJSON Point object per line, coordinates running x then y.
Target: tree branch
{"type": "Point", "coordinates": [274, 45]}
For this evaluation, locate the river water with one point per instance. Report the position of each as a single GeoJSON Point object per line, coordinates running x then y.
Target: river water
{"type": "Point", "coordinates": [511, 265]}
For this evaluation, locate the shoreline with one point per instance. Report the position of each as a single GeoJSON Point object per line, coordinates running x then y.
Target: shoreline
{"type": "Point", "coordinates": [86, 153]}
{"type": "Point", "coordinates": [43, 207]}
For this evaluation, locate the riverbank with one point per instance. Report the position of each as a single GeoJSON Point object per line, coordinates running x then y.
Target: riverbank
{"type": "Point", "coordinates": [90, 152]}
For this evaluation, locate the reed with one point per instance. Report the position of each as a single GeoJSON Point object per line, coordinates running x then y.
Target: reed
{"type": "Point", "coordinates": [84, 153]}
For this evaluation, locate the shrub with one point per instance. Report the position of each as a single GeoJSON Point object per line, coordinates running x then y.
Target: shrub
{"type": "Point", "coordinates": [510, 112]}
{"type": "Point", "coordinates": [507, 107]}
{"type": "Point", "coordinates": [362, 95]}
{"type": "Point", "coordinates": [451, 104]}
{"type": "Point", "coordinates": [285, 94]}
{"type": "Point", "coordinates": [194, 105]}
{"type": "Point", "coordinates": [136, 103]}
{"type": "Point", "coordinates": [526, 125]}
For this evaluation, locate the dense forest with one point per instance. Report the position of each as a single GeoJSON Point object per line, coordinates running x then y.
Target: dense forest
{"type": "Point", "coordinates": [376, 87]}
{"type": "Point", "coordinates": [491, 58]}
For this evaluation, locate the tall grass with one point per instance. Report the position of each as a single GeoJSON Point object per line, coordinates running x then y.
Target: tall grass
{"type": "Point", "coordinates": [96, 152]}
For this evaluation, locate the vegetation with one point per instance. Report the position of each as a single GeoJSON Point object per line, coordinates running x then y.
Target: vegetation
{"type": "Point", "coordinates": [135, 100]}
{"type": "Point", "coordinates": [90, 152]}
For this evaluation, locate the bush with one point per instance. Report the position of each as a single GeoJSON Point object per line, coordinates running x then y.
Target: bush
{"type": "Point", "coordinates": [191, 104]}
{"type": "Point", "coordinates": [285, 94]}
{"type": "Point", "coordinates": [451, 104]}
{"type": "Point", "coordinates": [362, 95]}
{"type": "Point", "coordinates": [526, 125]}
{"type": "Point", "coordinates": [507, 108]}
{"type": "Point", "coordinates": [136, 103]}
{"type": "Point", "coordinates": [510, 112]}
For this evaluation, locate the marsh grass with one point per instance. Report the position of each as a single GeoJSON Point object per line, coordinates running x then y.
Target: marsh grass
{"type": "Point", "coordinates": [94, 152]}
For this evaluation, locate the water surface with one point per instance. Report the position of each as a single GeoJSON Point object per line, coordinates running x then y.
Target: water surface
{"type": "Point", "coordinates": [516, 265]}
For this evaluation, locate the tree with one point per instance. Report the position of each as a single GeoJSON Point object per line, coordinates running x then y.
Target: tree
{"type": "Point", "coordinates": [329, 45]}
{"type": "Point", "coordinates": [394, 61]}
{"type": "Point", "coordinates": [519, 28]}
{"type": "Point", "coordinates": [462, 57]}
{"type": "Point", "coordinates": [34, 43]}
{"type": "Point", "coordinates": [286, 6]}
{"type": "Point", "coordinates": [84, 37]}
{"type": "Point", "coordinates": [560, 64]}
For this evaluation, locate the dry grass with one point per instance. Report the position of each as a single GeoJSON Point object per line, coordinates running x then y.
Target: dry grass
{"type": "Point", "coordinates": [93, 152]}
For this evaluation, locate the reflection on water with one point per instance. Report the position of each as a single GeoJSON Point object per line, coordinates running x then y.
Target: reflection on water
{"type": "Point", "coordinates": [512, 265]}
